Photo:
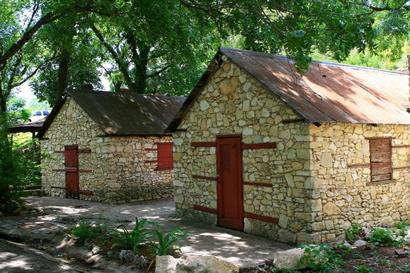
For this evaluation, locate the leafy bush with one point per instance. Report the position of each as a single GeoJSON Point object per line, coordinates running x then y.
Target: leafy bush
{"type": "Point", "coordinates": [10, 173]}
{"type": "Point", "coordinates": [364, 269]}
{"type": "Point", "coordinates": [132, 240]}
{"type": "Point", "coordinates": [167, 242]}
{"type": "Point", "coordinates": [320, 258]}
{"type": "Point", "coordinates": [28, 155]}
{"type": "Point", "coordinates": [402, 227]}
{"type": "Point", "coordinates": [85, 231]}
{"type": "Point", "coordinates": [353, 233]}
{"type": "Point", "coordinates": [382, 236]}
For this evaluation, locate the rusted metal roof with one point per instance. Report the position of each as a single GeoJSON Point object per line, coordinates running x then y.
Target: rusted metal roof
{"type": "Point", "coordinates": [125, 113]}
{"type": "Point", "coordinates": [32, 127]}
{"type": "Point", "coordinates": [327, 92]}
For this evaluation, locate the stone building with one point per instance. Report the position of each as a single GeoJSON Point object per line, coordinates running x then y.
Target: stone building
{"type": "Point", "coordinates": [107, 146]}
{"type": "Point", "coordinates": [259, 148]}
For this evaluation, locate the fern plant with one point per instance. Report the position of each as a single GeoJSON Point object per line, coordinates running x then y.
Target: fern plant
{"type": "Point", "coordinates": [167, 241]}
{"type": "Point", "coordinates": [132, 240]}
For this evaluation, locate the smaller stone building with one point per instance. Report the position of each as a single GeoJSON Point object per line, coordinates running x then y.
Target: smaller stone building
{"type": "Point", "coordinates": [260, 148]}
{"type": "Point", "coordinates": [108, 146]}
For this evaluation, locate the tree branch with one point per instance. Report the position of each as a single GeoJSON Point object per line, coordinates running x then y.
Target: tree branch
{"type": "Point", "coordinates": [35, 9]}
{"type": "Point", "coordinates": [34, 72]}
{"type": "Point", "coordinates": [114, 54]}
{"type": "Point", "coordinates": [46, 19]}
{"type": "Point", "coordinates": [13, 73]}
{"type": "Point", "coordinates": [156, 73]}
{"type": "Point", "coordinates": [49, 17]}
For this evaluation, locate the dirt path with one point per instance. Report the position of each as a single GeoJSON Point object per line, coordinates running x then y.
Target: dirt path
{"type": "Point", "coordinates": [16, 258]}
{"type": "Point", "coordinates": [52, 217]}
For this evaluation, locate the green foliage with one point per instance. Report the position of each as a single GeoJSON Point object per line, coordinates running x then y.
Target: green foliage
{"type": "Point", "coordinates": [402, 227]}
{"type": "Point", "coordinates": [382, 236]}
{"type": "Point", "coordinates": [364, 269]}
{"type": "Point", "coordinates": [343, 249]}
{"type": "Point", "coordinates": [83, 56]}
{"type": "Point", "coordinates": [28, 157]}
{"type": "Point", "coordinates": [320, 258]}
{"type": "Point", "coordinates": [164, 45]}
{"type": "Point", "coordinates": [132, 240]}
{"type": "Point", "coordinates": [85, 231]}
{"type": "Point", "coordinates": [276, 270]}
{"type": "Point", "coordinates": [167, 242]}
{"type": "Point", "coordinates": [9, 172]}
{"type": "Point", "coordinates": [17, 111]}
{"type": "Point", "coordinates": [353, 233]}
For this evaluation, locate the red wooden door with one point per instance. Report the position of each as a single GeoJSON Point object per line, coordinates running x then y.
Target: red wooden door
{"type": "Point", "coordinates": [72, 184]}
{"type": "Point", "coordinates": [230, 193]}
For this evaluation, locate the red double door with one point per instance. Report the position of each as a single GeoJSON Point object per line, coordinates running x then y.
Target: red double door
{"type": "Point", "coordinates": [229, 189]}
{"type": "Point", "coordinates": [72, 179]}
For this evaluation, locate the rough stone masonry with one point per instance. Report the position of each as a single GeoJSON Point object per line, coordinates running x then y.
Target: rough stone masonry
{"type": "Point", "coordinates": [313, 191]}
{"type": "Point", "coordinates": [118, 169]}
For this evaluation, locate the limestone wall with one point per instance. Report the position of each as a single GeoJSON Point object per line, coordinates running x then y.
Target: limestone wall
{"type": "Point", "coordinates": [119, 168]}
{"type": "Point", "coordinates": [234, 103]}
{"type": "Point", "coordinates": [344, 193]}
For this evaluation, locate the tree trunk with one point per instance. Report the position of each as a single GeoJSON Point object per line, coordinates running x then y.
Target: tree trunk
{"type": "Point", "coordinates": [3, 101]}
{"type": "Point", "coordinates": [62, 80]}
{"type": "Point", "coordinates": [141, 70]}
{"type": "Point", "coordinates": [140, 73]}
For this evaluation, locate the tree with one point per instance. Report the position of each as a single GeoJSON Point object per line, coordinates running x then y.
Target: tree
{"type": "Point", "coordinates": [155, 43]}
{"type": "Point", "coordinates": [77, 62]}
{"type": "Point", "coordinates": [9, 170]}
{"type": "Point", "coordinates": [18, 36]}
{"type": "Point", "coordinates": [161, 46]}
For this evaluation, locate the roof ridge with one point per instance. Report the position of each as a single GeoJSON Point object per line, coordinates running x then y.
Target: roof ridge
{"type": "Point", "coordinates": [105, 92]}
{"type": "Point", "coordinates": [271, 55]}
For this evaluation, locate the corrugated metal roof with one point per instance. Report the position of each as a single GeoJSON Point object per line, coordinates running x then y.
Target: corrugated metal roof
{"type": "Point", "coordinates": [32, 127]}
{"type": "Point", "coordinates": [331, 92]}
{"type": "Point", "coordinates": [125, 113]}
{"type": "Point", "coordinates": [327, 92]}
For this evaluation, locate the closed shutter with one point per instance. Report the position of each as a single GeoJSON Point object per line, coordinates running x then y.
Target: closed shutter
{"type": "Point", "coordinates": [164, 156]}
{"type": "Point", "coordinates": [380, 159]}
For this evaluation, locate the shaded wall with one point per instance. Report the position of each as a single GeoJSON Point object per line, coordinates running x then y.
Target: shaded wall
{"type": "Point", "coordinates": [120, 168]}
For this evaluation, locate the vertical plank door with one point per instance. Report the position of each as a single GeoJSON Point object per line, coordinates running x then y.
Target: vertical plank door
{"type": "Point", "coordinates": [72, 184]}
{"type": "Point", "coordinates": [230, 192]}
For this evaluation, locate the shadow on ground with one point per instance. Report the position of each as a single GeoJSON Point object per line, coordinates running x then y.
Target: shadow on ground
{"type": "Point", "coordinates": [52, 217]}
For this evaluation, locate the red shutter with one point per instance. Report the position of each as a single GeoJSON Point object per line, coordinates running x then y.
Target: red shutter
{"type": "Point", "coordinates": [164, 154]}
{"type": "Point", "coordinates": [380, 159]}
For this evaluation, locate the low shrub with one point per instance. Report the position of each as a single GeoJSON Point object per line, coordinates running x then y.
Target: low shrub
{"type": "Point", "coordinates": [85, 231]}
{"type": "Point", "coordinates": [320, 258]}
{"type": "Point", "coordinates": [364, 269]}
{"type": "Point", "coordinates": [382, 236]}
{"type": "Point", "coordinates": [132, 240]}
{"type": "Point", "coordinates": [402, 227]}
{"type": "Point", "coordinates": [167, 242]}
{"type": "Point", "coordinates": [10, 172]}
{"type": "Point", "coordinates": [353, 233]}
{"type": "Point", "coordinates": [28, 155]}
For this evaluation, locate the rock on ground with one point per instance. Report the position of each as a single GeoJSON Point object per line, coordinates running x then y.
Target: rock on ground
{"type": "Point", "coordinates": [288, 259]}
{"type": "Point", "coordinates": [194, 264]}
{"type": "Point", "coordinates": [360, 243]}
